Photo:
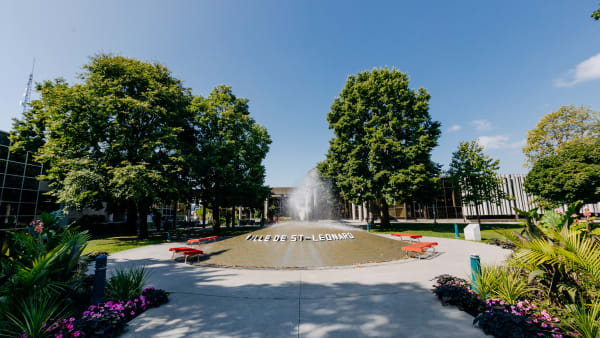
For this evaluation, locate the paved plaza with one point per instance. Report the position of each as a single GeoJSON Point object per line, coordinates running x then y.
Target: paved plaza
{"type": "Point", "coordinates": [379, 300]}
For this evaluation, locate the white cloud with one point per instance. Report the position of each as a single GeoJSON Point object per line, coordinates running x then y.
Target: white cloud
{"type": "Point", "coordinates": [585, 71]}
{"type": "Point", "coordinates": [454, 128]}
{"type": "Point", "coordinates": [499, 142]}
{"type": "Point", "coordinates": [482, 125]}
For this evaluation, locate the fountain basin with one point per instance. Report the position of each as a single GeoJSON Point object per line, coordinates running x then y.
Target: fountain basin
{"type": "Point", "coordinates": [303, 245]}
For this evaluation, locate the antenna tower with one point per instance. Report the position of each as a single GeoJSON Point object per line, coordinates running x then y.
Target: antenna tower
{"type": "Point", "coordinates": [27, 95]}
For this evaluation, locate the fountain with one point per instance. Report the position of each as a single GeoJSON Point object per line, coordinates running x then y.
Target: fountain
{"type": "Point", "coordinates": [312, 199]}
{"type": "Point", "coordinates": [313, 239]}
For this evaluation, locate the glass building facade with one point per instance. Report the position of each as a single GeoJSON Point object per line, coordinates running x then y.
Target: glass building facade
{"type": "Point", "coordinates": [22, 196]}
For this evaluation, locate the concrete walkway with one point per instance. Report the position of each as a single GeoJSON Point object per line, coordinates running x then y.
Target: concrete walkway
{"type": "Point", "coordinates": [382, 300]}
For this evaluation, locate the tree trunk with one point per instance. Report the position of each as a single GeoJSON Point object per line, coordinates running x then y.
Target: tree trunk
{"type": "Point", "coordinates": [143, 215]}
{"type": "Point", "coordinates": [216, 219]}
{"type": "Point", "coordinates": [203, 215]}
{"type": "Point", "coordinates": [174, 216]}
{"type": "Point", "coordinates": [477, 212]}
{"type": "Point", "coordinates": [385, 213]}
{"type": "Point", "coordinates": [227, 217]}
{"type": "Point", "coordinates": [131, 227]}
{"type": "Point", "coordinates": [233, 216]}
{"type": "Point", "coordinates": [157, 218]}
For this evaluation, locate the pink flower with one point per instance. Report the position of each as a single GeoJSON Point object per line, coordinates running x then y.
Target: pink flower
{"type": "Point", "coordinates": [76, 334]}
{"type": "Point", "coordinates": [587, 213]}
{"type": "Point", "coordinates": [544, 325]}
{"type": "Point", "coordinates": [38, 228]}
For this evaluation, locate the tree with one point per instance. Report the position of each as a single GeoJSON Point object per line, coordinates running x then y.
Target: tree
{"type": "Point", "coordinates": [569, 124]}
{"type": "Point", "coordinates": [596, 14]}
{"type": "Point", "coordinates": [383, 137]}
{"type": "Point", "coordinates": [570, 175]}
{"type": "Point", "coordinates": [231, 147]}
{"type": "Point", "coordinates": [476, 175]}
{"type": "Point", "coordinates": [122, 135]}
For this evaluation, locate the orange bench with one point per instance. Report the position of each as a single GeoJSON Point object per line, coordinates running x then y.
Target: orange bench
{"type": "Point", "coordinates": [420, 247]}
{"type": "Point", "coordinates": [196, 241]}
{"type": "Point", "coordinates": [411, 236]}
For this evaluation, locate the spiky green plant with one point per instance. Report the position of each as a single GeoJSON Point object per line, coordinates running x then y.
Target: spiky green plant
{"type": "Point", "coordinates": [511, 286]}
{"type": "Point", "coordinates": [503, 282]}
{"type": "Point", "coordinates": [486, 281]}
{"type": "Point", "coordinates": [127, 283]}
{"type": "Point", "coordinates": [32, 315]}
{"type": "Point", "coordinates": [585, 318]}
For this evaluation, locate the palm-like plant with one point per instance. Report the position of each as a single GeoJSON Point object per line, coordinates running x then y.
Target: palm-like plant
{"type": "Point", "coordinates": [32, 315]}
{"type": "Point", "coordinates": [127, 284]}
{"type": "Point", "coordinates": [503, 282]}
{"type": "Point", "coordinates": [585, 319]}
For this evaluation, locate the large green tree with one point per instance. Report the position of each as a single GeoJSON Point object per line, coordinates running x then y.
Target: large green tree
{"type": "Point", "coordinates": [572, 174]}
{"type": "Point", "coordinates": [569, 124]}
{"type": "Point", "coordinates": [123, 135]}
{"type": "Point", "coordinates": [231, 147]}
{"type": "Point", "coordinates": [476, 175]}
{"type": "Point", "coordinates": [383, 137]}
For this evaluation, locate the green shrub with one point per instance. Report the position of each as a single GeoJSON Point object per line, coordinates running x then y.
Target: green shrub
{"type": "Point", "coordinates": [32, 315]}
{"type": "Point", "coordinates": [512, 286]}
{"type": "Point", "coordinates": [585, 319]}
{"type": "Point", "coordinates": [502, 282]}
{"type": "Point", "coordinates": [127, 283]}
{"type": "Point", "coordinates": [487, 280]}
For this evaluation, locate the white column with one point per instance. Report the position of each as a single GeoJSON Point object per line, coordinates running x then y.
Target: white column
{"type": "Point", "coordinates": [265, 215]}
{"type": "Point", "coordinates": [365, 211]}
{"type": "Point", "coordinates": [353, 212]}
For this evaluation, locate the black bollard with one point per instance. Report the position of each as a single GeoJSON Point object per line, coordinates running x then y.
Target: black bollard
{"type": "Point", "coordinates": [99, 280]}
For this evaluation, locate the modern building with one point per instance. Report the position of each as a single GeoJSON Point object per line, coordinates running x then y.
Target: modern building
{"type": "Point", "coordinates": [22, 196]}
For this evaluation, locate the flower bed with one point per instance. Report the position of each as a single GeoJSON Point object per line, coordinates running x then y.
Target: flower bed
{"type": "Point", "coordinates": [494, 316]}
{"type": "Point", "coordinates": [106, 319]}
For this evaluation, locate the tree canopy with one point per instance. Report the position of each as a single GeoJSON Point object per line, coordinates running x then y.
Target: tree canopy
{"type": "Point", "coordinates": [123, 134]}
{"type": "Point", "coordinates": [569, 124]}
{"type": "Point", "coordinates": [476, 175]}
{"type": "Point", "coordinates": [383, 138]}
{"type": "Point", "coordinates": [231, 148]}
{"type": "Point", "coordinates": [572, 174]}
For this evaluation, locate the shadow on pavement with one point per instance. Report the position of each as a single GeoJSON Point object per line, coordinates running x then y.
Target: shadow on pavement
{"type": "Point", "coordinates": [208, 302]}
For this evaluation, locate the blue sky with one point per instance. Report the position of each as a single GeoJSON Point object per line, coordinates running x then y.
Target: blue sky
{"type": "Point", "coordinates": [493, 68]}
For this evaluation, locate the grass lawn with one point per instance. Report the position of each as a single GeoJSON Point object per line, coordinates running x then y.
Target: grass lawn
{"type": "Point", "coordinates": [113, 244]}
{"type": "Point", "coordinates": [120, 243]}
{"type": "Point", "coordinates": [446, 230]}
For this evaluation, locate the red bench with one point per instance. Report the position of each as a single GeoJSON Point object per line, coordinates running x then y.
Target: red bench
{"type": "Point", "coordinates": [192, 253]}
{"type": "Point", "coordinates": [197, 241]}
{"type": "Point", "coordinates": [420, 248]}
{"type": "Point", "coordinates": [185, 252]}
{"type": "Point", "coordinates": [411, 236]}
{"type": "Point", "coordinates": [180, 250]}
